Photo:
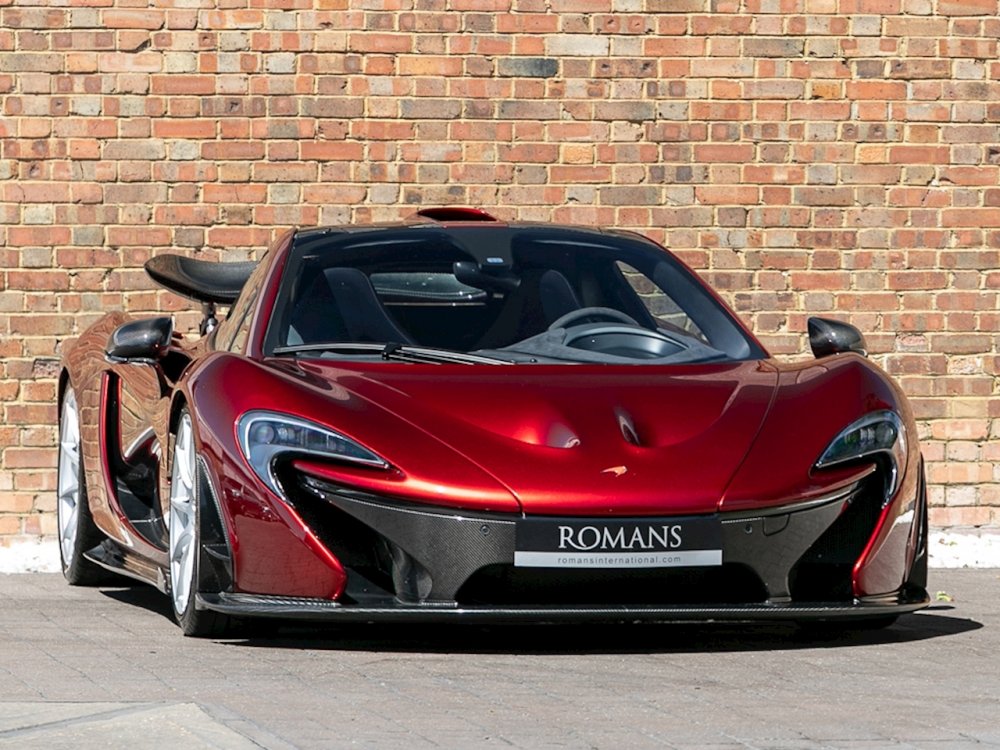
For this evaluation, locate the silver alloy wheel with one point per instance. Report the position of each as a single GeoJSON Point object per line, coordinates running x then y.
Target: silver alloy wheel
{"type": "Point", "coordinates": [183, 517]}
{"type": "Point", "coordinates": [68, 478]}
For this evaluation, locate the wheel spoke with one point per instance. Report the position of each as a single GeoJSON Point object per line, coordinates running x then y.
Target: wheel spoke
{"type": "Point", "coordinates": [68, 532]}
{"type": "Point", "coordinates": [183, 537]}
{"type": "Point", "coordinates": [181, 546]}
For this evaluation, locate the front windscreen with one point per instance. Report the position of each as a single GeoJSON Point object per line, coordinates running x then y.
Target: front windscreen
{"type": "Point", "coordinates": [511, 295]}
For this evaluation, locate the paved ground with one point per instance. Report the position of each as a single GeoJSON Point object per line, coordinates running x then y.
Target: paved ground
{"type": "Point", "coordinates": [106, 667]}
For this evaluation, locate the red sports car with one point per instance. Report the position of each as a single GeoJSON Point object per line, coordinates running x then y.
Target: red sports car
{"type": "Point", "coordinates": [459, 418]}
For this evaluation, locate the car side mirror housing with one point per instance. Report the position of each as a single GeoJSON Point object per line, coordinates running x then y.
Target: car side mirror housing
{"type": "Point", "coordinates": [828, 337]}
{"type": "Point", "coordinates": [140, 341]}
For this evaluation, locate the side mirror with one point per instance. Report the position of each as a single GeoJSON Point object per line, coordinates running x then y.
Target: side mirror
{"type": "Point", "coordinates": [828, 337]}
{"type": "Point", "coordinates": [140, 341]}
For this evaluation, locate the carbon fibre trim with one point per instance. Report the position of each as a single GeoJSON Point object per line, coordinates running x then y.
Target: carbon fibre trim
{"type": "Point", "coordinates": [842, 494]}
{"type": "Point", "coordinates": [258, 605]}
{"type": "Point", "coordinates": [447, 546]}
{"type": "Point", "coordinates": [200, 280]}
{"type": "Point", "coordinates": [112, 556]}
{"type": "Point", "coordinates": [215, 563]}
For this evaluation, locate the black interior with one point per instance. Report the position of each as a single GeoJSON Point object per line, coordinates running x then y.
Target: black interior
{"type": "Point", "coordinates": [624, 342]}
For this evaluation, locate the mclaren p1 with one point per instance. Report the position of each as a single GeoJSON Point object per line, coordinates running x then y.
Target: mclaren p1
{"type": "Point", "coordinates": [460, 418]}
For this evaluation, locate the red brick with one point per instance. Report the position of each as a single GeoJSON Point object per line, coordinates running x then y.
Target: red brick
{"type": "Point", "coordinates": [182, 84]}
{"type": "Point", "coordinates": [381, 43]}
{"type": "Point", "coordinates": [191, 129]}
{"type": "Point", "coordinates": [736, 153]}
{"type": "Point", "coordinates": [971, 217]}
{"type": "Point", "coordinates": [527, 23]}
{"type": "Point", "coordinates": [133, 19]}
{"type": "Point", "coordinates": [967, 7]}
{"type": "Point", "coordinates": [229, 150]}
{"type": "Point", "coordinates": [727, 195]}
{"type": "Point", "coordinates": [28, 458]}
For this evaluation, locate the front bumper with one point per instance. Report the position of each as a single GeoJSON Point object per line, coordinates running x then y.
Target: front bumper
{"type": "Point", "coordinates": [407, 562]}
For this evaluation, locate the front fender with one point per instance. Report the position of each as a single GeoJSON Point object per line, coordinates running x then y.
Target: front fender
{"type": "Point", "coordinates": [814, 401]}
{"type": "Point", "coordinates": [272, 550]}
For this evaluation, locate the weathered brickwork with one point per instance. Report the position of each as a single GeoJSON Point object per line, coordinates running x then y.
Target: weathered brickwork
{"type": "Point", "coordinates": [835, 157]}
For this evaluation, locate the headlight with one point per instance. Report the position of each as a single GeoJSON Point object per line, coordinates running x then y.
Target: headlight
{"type": "Point", "coordinates": [265, 435]}
{"type": "Point", "coordinates": [880, 432]}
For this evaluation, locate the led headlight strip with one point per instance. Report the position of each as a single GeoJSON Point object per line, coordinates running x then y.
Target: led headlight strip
{"type": "Point", "coordinates": [878, 432]}
{"type": "Point", "coordinates": [264, 435]}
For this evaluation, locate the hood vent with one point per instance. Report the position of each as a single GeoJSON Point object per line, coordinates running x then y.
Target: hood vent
{"type": "Point", "coordinates": [627, 427]}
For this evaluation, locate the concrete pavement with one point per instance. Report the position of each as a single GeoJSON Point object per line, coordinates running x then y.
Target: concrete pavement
{"type": "Point", "coordinates": [107, 667]}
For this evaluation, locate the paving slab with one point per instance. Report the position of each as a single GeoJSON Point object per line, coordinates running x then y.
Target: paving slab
{"type": "Point", "coordinates": [155, 726]}
{"type": "Point", "coordinates": [88, 667]}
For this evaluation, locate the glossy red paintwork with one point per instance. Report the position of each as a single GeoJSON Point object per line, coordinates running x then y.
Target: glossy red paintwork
{"type": "Point", "coordinates": [807, 414]}
{"type": "Point", "coordinates": [552, 435]}
{"type": "Point", "coordinates": [85, 372]}
{"type": "Point", "coordinates": [534, 439]}
{"type": "Point", "coordinates": [275, 260]}
{"type": "Point", "coordinates": [110, 387]}
{"type": "Point", "coordinates": [90, 375]}
{"type": "Point", "coordinates": [274, 551]}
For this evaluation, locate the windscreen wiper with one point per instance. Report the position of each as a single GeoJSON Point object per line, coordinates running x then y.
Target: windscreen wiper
{"type": "Point", "coordinates": [396, 352]}
{"type": "Point", "coordinates": [346, 347]}
{"type": "Point", "coordinates": [410, 353]}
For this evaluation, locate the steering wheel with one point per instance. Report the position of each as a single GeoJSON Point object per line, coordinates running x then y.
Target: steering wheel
{"type": "Point", "coordinates": [607, 313]}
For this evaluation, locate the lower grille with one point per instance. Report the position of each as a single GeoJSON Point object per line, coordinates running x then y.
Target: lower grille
{"type": "Point", "coordinates": [505, 585]}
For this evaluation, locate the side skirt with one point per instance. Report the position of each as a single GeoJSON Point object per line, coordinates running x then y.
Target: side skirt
{"type": "Point", "coordinates": [118, 559]}
{"type": "Point", "coordinates": [215, 568]}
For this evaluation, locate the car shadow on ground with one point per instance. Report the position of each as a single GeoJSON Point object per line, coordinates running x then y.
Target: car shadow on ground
{"type": "Point", "coordinates": [140, 595]}
{"type": "Point", "coordinates": [615, 638]}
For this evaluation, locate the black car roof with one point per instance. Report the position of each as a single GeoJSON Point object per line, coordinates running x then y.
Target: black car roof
{"type": "Point", "coordinates": [489, 243]}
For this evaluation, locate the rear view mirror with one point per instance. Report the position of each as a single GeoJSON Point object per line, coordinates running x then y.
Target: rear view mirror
{"type": "Point", "coordinates": [142, 341]}
{"type": "Point", "coordinates": [489, 279]}
{"type": "Point", "coordinates": [828, 337]}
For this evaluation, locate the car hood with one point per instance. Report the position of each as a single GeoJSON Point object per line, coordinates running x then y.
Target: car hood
{"type": "Point", "coordinates": [573, 440]}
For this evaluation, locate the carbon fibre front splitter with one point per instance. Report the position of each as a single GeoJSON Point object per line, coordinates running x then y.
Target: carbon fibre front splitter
{"type": "Point", "coordinates": [293, 608]}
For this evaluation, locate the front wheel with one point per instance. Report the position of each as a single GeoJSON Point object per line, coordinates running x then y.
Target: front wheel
{"type": "Point", "coordinates": [184, 546]}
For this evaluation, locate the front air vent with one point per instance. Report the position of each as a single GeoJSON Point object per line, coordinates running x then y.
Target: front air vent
{"type": "Point", "coordinates": [357, 546]}
{"type": "Point", "coordinates": [824, 572]}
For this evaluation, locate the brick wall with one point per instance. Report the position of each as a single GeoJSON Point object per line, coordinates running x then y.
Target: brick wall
{"type": "Point", "coordinates": [834, 157]}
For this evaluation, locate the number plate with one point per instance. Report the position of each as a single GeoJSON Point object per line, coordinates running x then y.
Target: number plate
{"type": "Point", "coordinates": [632, 543]}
